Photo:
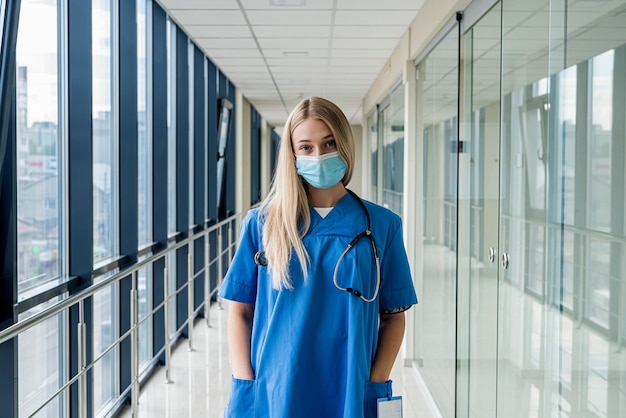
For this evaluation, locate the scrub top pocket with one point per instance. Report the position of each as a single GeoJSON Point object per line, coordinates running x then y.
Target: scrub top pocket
{"type": "Point", "coordinates": [242, 399]}
{"type": "Point", "coordinates": [373, 391]}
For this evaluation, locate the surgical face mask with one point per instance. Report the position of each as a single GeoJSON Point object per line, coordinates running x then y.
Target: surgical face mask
{"type": "Point", "coordinates": [321, 171]}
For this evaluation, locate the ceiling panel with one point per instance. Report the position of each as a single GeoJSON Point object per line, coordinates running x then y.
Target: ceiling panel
{"type": "Point", "coordinates": [413, 6]}
{"type": "Point", "coordinates": [291, 31]}
{"type": "Point", "coordinates": [293, 44]}
{"type": "Point", "coordinates": [266, 5]}
{"type": "Point", "coordinates": [374, 17]}
{"type": "Point", "coordinates": [199, 4]}
{"type": "Point", "coordinates": [218, 31]}
{"type": "Point", "coordinates": [352, 31]}
{"type": "Point", "coordinates": [293, 17]}
{"type": "Point", "coordinates": [357, 43]}
{"type": "Point", "coordinates": [278, 55]}
{"type": "Point", "coordinates": [230, 43]}
{"type": "Point", "coordinates": [208, 17]}
{"type": "Point", "coordinates": [360, 53]}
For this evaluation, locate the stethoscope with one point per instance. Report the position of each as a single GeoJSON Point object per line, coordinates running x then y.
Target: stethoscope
{"type": "Point", "coordinates": [259, 257]}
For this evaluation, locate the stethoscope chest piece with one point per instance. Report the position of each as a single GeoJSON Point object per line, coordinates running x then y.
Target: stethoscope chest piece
{"type": "Point", "coordinates": [259, 258]}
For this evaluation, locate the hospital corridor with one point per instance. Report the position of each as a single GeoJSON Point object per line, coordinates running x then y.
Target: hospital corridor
{"type": "Point", "coordinates": [478, 144]}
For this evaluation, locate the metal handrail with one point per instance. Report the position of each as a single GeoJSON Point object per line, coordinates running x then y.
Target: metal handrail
{"type": "Point", "coordinates": [25, 324]}
{"type": "Point", "coordinates": [78, 299]}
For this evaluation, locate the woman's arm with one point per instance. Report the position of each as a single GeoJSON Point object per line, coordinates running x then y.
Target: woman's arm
{"type": "Point", "coordinates": [239, 334]}
{"type": "Point", "coordinates": [390, 335]}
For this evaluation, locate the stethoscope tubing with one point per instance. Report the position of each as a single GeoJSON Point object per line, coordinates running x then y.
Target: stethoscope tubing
{"type": "Point", "coordinates": [259, 257]}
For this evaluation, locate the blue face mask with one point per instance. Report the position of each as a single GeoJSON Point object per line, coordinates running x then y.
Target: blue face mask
{"type": "Point", "coordinates": [321, 171]}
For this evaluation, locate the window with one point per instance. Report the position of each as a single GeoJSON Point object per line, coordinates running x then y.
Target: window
{"type": "Point", "coordinates": [144, 123]}
{"type": "Point", "coordinates": [171, 126]}
{"type": "Point", "coordinates": [42, 356]}
{"type": "Point", "coordinates": [39, 146]}
{"type": "Point", "coordinates": [2, 7]}
{"type": "Point", "coordinates": [191, 88]}
{"type": "Point", "coordinates": [105, 196]}
{"type": "Point", "coordinates": [105, 146]}
{"type": "Point", "coordinates": [145, 202]}
{"type": "Point", "coordinates": [393, 151]}
{"type": "Point", "coordinates": [600, 133]}
{"type": "Point", "coordinates": [171, 166]}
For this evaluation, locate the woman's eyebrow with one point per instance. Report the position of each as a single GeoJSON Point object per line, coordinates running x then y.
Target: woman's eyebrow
{"type": "Point", "coordinates": [310, 140]}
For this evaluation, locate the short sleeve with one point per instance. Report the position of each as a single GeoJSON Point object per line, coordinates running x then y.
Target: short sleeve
{"type": "Point", "coordinates": [396, 289]}
{"type": "Point", "coordinates": [240, 282]}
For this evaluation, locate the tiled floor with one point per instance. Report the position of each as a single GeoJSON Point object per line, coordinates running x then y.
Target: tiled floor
{"type": "Point", "coordinates": [201, 379]}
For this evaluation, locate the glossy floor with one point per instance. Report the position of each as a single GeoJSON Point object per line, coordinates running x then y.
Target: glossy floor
{"type": "Point", "coordinates": [201, 378]}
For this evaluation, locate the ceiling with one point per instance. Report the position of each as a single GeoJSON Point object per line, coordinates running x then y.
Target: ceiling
{"type": "Point", "coordinates": [278, 54]}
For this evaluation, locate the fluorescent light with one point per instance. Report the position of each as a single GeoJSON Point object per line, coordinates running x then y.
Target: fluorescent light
{"type": "Point", "coordinates": [295, 53]}
{"type": "Point", "coordinates": [287, 2]}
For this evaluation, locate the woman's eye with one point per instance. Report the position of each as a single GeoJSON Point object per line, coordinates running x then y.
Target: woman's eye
{"type": "Point", "coordinates": [330, 144]}
{"type": "Point", "coordinates": [305, 148]}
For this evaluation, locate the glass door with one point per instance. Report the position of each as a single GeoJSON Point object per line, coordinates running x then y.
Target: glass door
{"type": "Point", "coordinates": [437, 131]}
{"type": "Point", "coordinates": [478, 207]}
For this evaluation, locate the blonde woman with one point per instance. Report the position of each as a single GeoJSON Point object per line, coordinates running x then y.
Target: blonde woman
{"type": "Point", "coordinates": [319, 284]}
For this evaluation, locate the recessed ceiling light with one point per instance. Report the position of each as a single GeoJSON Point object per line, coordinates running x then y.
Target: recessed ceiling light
{"type": "Point", "coordinates": [287, 2]}
{"type": "Point", "coordinates": [295, 53]}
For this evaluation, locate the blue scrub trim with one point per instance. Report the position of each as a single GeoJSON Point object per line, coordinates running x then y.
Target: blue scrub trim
{"type": "Point", "coordinates": [237, 291]}
{"type": "Point", "coordinates": [397, 298]}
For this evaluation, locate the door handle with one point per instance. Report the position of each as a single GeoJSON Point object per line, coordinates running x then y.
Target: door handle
{"type": "Point", "coordinates": [492, 254]}
{"type": "Point", "coordinates": [505, 261]}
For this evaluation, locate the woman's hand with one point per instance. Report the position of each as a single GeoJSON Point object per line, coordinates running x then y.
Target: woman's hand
{"type": "Point", "coordinates": [239, 332]}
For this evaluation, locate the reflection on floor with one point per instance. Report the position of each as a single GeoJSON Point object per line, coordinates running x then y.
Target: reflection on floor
{"type": "Point", "coordinates": [201, 379]}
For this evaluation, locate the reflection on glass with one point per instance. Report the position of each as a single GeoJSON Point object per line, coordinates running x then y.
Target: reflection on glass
{"type": "Point", "coordinates": [2, 9]}
{"type": "Point", "coordinates": [566, 128]}
{"type": "Point", "coordinates": [599, 151]}
{"type": "Point", "coordinates": [144, 124]}
{"type": "Point", "coordinates": [478, 186]}
{"type": "Point", "coordinates": [38, 146]}
{"type": "Point", "coordinates": [372, 139]}
{"type": "Point", "coordinates": [191, 107]}
{"type": "Point", "coordinates": [171, 286]}
{"type": "Point", "coordinates": [206, 135]}
{"type": "Point", "coordinates": [104, 335]}
{"type": "Point", "coordinates": [561, 336]}
{"type": "Point", "coordinates": [104, 136]}
{"type": "Point", "coordinates": [144, 144]}
{"type": "Point", "coordinates": [437, 129]}
{"type": "Point", "coordinates": [171, 126]}
{"type": "Point", "coordinates": [393, 151]}
{"type": "Point", "coordinates": [144, 283]}
{"type": "Point", "coordinates": [42, 359]}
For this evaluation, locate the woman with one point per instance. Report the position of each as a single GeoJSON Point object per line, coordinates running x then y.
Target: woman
{"type": "Point", "coordinates": [315, 324]}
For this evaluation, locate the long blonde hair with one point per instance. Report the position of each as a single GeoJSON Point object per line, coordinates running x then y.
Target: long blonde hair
{"type": "Point", "coordinates": [286, 208]}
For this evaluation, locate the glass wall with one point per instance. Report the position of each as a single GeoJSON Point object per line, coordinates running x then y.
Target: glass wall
{"type": "Point", "coordinates": [393, 151]}
{"type": "Point", "coordinates": [39, 146]}
{"type": "Point", "coordinates": [41, 201]}
{"type": "Point", "coordinates": [536, 261]}
{"type": "Point", "coordinates": [56, 207]}
{"type": "Point", "coordinates": [561, 315]}
{"type": "Point", "coordinates": [478, 205]}
{"type": "Point", "coordinates": [144, 171]}
{"type": "Point", "coordinates": [144, 122]}
{"type": "Point", "coordinates": [2, 9]}
{"type": "Point", "coordinates": [191, 89]}
{"type": "Point", "coordinates": [437, 124]}
{"type": "Point", "coordinates": [105, 196]}
{"type": "Point", "coordinates": [372, 136]}
{"type": "Point", "coordinates": [171, 164]}
{"type": "Point", "coordinates": [105, 136]}
{"type": "Point", "coordinates": [42, 366]}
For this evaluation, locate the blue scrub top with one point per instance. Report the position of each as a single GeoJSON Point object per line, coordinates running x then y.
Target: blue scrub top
{"type": "Point", "coordinates": [312, 347]}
